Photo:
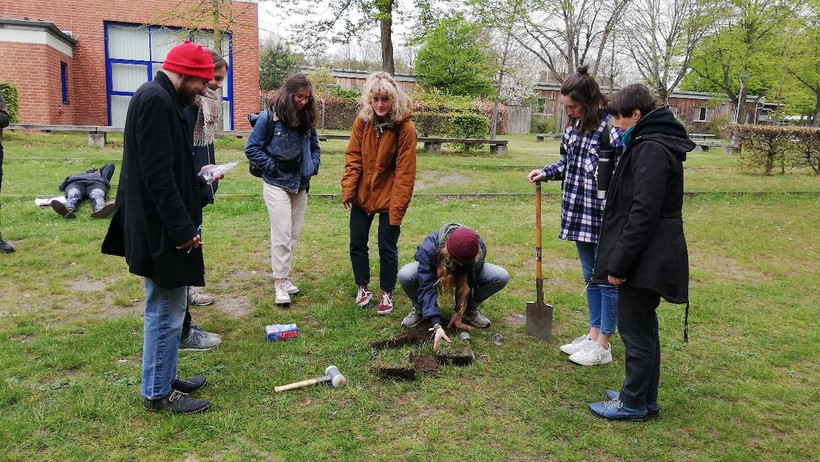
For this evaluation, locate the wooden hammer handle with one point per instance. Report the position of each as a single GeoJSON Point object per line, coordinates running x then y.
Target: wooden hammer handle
{"type": "Point", "coordinates": [294, 385]}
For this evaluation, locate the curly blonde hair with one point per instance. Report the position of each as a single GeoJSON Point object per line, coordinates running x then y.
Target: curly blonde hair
{"type": "Point", "coordinates": [382, 83]}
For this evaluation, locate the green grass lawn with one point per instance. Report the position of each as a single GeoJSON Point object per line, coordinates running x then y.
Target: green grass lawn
{"type": "Point", "coordinates": [744, 388]}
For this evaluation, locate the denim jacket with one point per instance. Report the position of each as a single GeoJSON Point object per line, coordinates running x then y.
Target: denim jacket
{"type": "Point", "coordinates": [283, 138]}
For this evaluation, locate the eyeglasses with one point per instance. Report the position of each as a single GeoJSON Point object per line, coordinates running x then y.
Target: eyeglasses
{"type": "Point", "coordinates": [302, 99]}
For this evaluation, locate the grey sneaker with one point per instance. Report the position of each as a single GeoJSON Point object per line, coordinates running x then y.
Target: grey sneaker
{"type": "Point", "coordinates": [413, 318]}
{"type": "Point", "coordinates": [281, 296]}
{"type": "Point", "coordinates": [475, 318]}
{"type": "Point", "coordinates": [198, 299]}
{"type": "Point", "coordinates": [290, 288]}
{"type": "Point", "coordinates": [199, 340]}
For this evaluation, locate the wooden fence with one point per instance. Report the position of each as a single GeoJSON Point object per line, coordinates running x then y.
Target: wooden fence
{"type": "Point", "coordinates": [519, 120]}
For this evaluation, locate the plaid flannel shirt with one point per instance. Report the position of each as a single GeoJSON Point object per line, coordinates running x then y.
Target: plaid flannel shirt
{"type": "Point", "coordinates": [581, 210]}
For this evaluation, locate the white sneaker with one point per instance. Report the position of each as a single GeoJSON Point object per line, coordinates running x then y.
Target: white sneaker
{"type": "Point", "coordinates": [592, 355]}
{"type": "Point", "coordinates": [282, 297]}
{"type": "Point", "coordinates": [577, 345]}
{"type": "Point", "coordinates": [290, 288]}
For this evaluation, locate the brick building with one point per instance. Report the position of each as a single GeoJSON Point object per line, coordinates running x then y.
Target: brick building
{"type": "Point", "coordinates": [79, 62]}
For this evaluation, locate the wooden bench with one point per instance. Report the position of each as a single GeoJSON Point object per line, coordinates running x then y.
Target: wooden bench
{"type": "Point", "coordinates": [96, 133]}
{"type": "Point", "coordinates": [433, 145]}
{"type": "Point", "coordinates": [543, 136]}
{"type": "Point", "coordinates": [704, 141]}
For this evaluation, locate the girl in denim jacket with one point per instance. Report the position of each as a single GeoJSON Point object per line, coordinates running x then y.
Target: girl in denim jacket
{"type": "Point", "coordinates": [292, 110]}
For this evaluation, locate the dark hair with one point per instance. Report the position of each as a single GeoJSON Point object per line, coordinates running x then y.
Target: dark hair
{"type": "Point", "coordinates": [219, 61]}
{"type": "Point", "coordinates": [583, 89]}
{"type": "Point", "coordinates": [282, 103]}
{"type": "Point", "coordinates": [631, 97]}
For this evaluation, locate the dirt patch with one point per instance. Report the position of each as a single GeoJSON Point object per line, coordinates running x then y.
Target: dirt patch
{"type": "Point", "coordinates": [85, 285]}
{"type": "Point", "coordinates": [415, 336]}
{"type": "Point", "coordinates": [234, 307]}
{"type": "Point", "coordinates": [428, 178]}
{"type": "Point", "coordinates": [425, 365]}
{"type": "Point", "coordinates": [515, 319]}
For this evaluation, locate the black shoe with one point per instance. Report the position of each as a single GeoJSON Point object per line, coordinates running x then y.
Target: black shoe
{"type": "Point", "coordinates": [61, 209]}
{"type": "Point", "coordinates": [189, 385]}
{"type": "Point", "coordinates": [5, 247]}
{"type": "Point", "coordinates": [106, 210]}
{"type": "Point", "coordinates": [178, 403]}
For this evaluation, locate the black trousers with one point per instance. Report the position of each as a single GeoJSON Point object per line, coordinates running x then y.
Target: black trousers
{"type": "Point", "coordinates": [388, 239]}
{"type": "Point", "coordinates": [638, 325]}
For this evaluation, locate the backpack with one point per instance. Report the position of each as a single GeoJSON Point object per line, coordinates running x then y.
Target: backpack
{"type": "Point", "coordinates": [255, 169]}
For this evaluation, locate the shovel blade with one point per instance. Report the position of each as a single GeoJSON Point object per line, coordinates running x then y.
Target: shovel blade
{"type": "Point", "coordinates": [539, 320]}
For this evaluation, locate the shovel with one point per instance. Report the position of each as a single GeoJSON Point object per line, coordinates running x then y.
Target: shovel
{"type": "Point", "coordinates": [539, 314]}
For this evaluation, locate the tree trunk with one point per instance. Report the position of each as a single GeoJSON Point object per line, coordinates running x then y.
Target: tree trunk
{"type": "Point", "coordinates": [386, 27]}
{"type": "Point", "coordinates": [816, 121]}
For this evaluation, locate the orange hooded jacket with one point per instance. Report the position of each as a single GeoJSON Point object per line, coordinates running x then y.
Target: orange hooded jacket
{"type": "Point", "coordinates": [380, 168]}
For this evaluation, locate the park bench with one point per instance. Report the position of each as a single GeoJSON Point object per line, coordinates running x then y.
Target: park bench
{"type": "Point", "coordinates": [97, 136]}
{"type": "Point", "coordinates": [433, 145]}
{"type": "Point", "coordinates": [543, 136]}
{"type": "Point", "coordinates": [704, 141]}
{"type": "Point", "coordinates": [96, 133]}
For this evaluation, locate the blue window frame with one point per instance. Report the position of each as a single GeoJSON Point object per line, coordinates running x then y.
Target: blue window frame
{"type": "Point", "coordinates": [64, 81]}
{"type": "Point", "coordinates": [134, 54]}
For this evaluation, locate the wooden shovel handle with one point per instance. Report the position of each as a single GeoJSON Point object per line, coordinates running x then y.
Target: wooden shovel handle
{"type": "Point", "coordinates": [538, 274]}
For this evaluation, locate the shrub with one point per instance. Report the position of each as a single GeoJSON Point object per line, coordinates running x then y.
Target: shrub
{"type": "Point", "coordinates": [431, 123]}
{"type": "Point", "coordinates": [808, 146]}
{"type": "Point", "coordinates": [485, 108]}
{"type": "Point", "coordinates": [543, 124]}
{"type": "Point", "coordinates": [764, 146]}
{"type": "Point", "coordinates": [718, 124]}
{"type": "Point", "coordinates": [12, 98]}
{"type": "Point", "coordinates": [468, 126]}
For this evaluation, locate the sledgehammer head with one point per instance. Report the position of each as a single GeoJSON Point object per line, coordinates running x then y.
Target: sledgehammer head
{"type": "Point", "coordinates": [335, 377]}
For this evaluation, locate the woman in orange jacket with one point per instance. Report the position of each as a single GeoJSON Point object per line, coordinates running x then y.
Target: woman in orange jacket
{"type": "Point", "coordinates": [380, 169]}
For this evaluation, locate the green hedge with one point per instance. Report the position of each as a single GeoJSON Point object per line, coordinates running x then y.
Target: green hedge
{"type": "Point", "coordinates": [767, 147]}
{"type": "Point", "coordinates": [12, 98]}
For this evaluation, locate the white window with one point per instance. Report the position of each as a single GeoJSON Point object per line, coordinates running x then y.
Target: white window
{"type": "Point", "coordinates": [134, 55]}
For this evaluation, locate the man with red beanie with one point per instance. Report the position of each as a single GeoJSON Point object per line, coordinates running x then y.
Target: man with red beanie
{"type": "Point", "coordinates": [158, 217]}
{"type": "Point", "coordinates": [451, 258]}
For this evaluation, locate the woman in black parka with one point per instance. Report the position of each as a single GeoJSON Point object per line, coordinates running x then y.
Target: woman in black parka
{"type": "Point", "coordinates": [642, 249]}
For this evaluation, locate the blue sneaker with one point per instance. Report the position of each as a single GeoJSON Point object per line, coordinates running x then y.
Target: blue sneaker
{"type": "Point", "coordinates": [652, 409]}
{"type": "Point", "coordinates": [615, 410]}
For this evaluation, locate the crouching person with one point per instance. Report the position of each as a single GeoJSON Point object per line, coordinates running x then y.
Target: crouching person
{"type": "Point", "coordinates": [451, 258]}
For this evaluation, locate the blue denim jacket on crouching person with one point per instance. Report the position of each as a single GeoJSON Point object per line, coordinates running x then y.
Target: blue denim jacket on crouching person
{"type": "Point", "coordinates": [283, 138]}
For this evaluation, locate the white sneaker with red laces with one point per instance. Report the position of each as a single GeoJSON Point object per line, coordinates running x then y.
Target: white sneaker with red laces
{"type": "Point", "coordinates": [386, 305]}
{"type": "Point", "coordinates": [363, 296]}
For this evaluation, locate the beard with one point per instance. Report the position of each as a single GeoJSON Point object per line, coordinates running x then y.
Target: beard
{"type": "Point", "coordinates": [188, 91]}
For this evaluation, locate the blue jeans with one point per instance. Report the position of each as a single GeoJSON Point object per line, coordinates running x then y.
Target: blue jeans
{"type": "Point", "coordinates": [602, 299]}
{"type": "Point", "coordinates": [490, 280]}
{"type": "Point", "coordinates": [164, 312]}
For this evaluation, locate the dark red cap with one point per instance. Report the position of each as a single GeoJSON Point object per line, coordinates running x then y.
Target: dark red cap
{"type": "Point", "coordinates": [463, 245]}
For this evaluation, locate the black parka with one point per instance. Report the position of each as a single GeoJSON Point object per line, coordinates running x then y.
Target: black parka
{"type": "Point", "coordinates": [158, 198]}
{"type": "Point", "coordinates": [642, 232]}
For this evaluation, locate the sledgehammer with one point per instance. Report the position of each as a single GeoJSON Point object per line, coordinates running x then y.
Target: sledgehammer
{"type": "Point", "coordinates": [332, 376]}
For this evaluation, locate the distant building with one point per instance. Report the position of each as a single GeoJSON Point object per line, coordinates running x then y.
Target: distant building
{"type": "Point", "coordinates": [79, 62]}
{"type": "Point", "coordinates": [694, 109]}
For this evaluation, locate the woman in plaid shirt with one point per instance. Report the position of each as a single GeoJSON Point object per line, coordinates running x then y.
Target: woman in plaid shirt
{"type": "Point", "coordinates": [581, 210]}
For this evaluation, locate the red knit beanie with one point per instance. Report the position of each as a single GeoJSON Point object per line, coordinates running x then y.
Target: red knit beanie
{"type": "Point", "coordinates": [190, 59]}
{"type": "Point", "coordinates": [463, 245]}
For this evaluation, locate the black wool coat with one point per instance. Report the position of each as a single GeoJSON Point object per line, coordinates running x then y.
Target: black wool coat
{"type": "Point", "coordinates": [642, 232]}
{"type": "Point", "coordinates": [158, 200]}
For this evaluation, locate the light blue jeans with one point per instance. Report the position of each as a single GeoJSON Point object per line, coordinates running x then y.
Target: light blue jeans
{"type": "Point", "coordinates": [602, 299]}
{"type": "Point", "coordinates": [490, 280]}
{"type": "Point", "coordinates": [164, 313]}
